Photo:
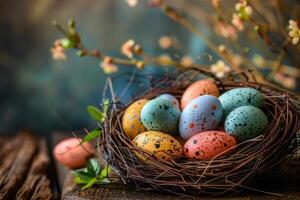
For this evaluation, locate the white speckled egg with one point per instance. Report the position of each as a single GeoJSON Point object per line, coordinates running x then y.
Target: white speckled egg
{"type": "Point", "coordinates": [170, 98]}
{"type": "Point", "coordinates": [240, 97]}
{"type": "Point", "coordinates": [201, 114]}
{"type": "Point", "coordinates": [160, 115]}
{"type": "Point", "coordinates": [246, 122]}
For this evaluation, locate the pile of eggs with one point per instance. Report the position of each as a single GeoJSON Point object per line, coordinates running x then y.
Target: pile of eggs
{"type": "Point", "coordinates": [202, 126]}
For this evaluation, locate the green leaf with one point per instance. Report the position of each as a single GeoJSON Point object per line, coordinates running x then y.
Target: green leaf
{"type": "Point", "coordinates": [81, 53]}
{"type": "Point", "coordinates": [96, 114]}
{"type": "Point", "coordinates": [67, 43]}
{"type": "Point", "coordinates": [104, 172]}
{"type": "Point", "coordinates": [91, 135]}
{"type": "Point", "coordinates": [71, 23]}
{"type": "Point", "coordinates": [93, 167]}
{"type": "Point", "coordinates": [89, 184]}
{"type": "Point", "coordinates": [91, 174]}
{"type": "Point", "coordinates": [78, 180]}
{"type": "Point", "coordinates": [81, 175]}
{"type": "Point", "coordinates": [103, 181]}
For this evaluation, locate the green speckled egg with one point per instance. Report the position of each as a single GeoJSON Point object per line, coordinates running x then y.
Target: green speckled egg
{"type": "Point", "coordinates": [241, 97]}
{"type": "Point", "coordinates": [246, 122]}
{"type": "Point", "coordinates": [160, 115]}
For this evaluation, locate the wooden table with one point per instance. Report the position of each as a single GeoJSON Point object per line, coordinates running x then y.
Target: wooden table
{"type": "Point", "coordinates": [25, 168]}
{"type": "Point", "coordinates": [28, 171]}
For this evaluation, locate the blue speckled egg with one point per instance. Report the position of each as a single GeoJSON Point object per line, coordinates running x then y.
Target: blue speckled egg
{"type": "Point", "coordinates": [160, 115]}
{"type": "Point", "coordinates": [246, 122]}
{"type": "Point", "coordinates": [201, 114]}
{"type": "Point", "coordinates": [170, 98]}
{"type": "Point", "coordinates": [240, 97]}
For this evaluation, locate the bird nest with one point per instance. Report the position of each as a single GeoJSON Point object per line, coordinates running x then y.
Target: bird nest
{"type": "Point", "coordinates": [224, 173]}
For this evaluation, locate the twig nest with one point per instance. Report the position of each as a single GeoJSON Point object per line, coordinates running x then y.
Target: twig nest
{"type": "Point", "coordinates": [214, 161]}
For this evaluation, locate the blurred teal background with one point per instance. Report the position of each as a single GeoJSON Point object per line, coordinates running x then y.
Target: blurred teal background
{"type": "Point", "coordinates": [45, 95]}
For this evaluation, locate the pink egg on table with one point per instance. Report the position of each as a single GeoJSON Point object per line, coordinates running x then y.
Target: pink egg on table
{"type": "Point", "coordinates": [72, 154]}
{"type": "Point", "coordinates": [208, 144]}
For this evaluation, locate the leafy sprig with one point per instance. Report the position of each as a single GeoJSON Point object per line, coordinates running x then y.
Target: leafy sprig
{"type": "Point", "coordinates": [92, 174]}
{"type": "Point", "coordinates": [98, 115]}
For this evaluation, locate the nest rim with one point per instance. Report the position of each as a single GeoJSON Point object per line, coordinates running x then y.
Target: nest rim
{"type": "Point", "coordinates": [223, 174]}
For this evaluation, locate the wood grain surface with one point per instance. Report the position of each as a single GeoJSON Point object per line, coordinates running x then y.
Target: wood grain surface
{"type": "Point", "coordinates": [24, 168]}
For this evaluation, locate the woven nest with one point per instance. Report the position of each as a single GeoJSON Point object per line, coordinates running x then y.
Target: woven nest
{"type": "Point", "coordinates": [223, 174]}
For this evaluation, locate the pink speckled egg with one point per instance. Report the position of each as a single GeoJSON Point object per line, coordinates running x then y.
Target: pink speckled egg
{"type": "Point", "coordinates": [208, 144]}
{"type": "Point", "coordinates": [197, 89]}
{"type": "Point", "coordinates": [72, 154]}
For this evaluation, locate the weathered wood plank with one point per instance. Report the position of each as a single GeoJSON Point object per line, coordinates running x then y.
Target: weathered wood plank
{"type": "Point", "coordinates": [19, 165]}
{"type": "Point", "coordinates": [42, 190]}
{"type": "Point", "coordinates": [24, 168]}
{"type": "Point", "coordinates": [37, 173]}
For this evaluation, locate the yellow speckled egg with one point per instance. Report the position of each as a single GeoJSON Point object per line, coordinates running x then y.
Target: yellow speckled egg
{"type": "Point", "coordinates": [131, 121]}
{"type": "Point", "coordinates": [197, 89]}
{"type": "Point", "coordinates": [161, 145]}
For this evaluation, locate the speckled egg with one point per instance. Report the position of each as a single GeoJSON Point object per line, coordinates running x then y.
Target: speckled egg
{"type": "Point", "coordinates": [72, 154]}
{"type": "Point", "coordinates": [160, 115]}
{"type": "Point", "coordinates": [246, 122]}
{"type": "Point", "coordinates": [197, 89]}
{"type": "Point", "coordinates": [208, 144]}
{"type": "Point", "coordinates": [201, 114]}
{"type": "Point", "coordinates": [241, 97]}
{"type": "Point", "coordinates": [131, 121]}
{"type": "Point", "coordinates": [170, 98]}
{"type": "Point", "coordinates": [161, 145]}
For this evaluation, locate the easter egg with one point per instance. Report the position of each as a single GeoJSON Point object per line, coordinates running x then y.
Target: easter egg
{"type": "Point", "coordinates": [72, 154]}
{"type": "Point", "coordinates": [201, 114]}
{"type": "Point", "coordinates": [241, 97]}
{"type": "Point", "coordinates": [131, 121]}
{"type": "Point", "coordinates": [246, 122]}
{"type": "Point", "coordinates": [208, 144]}
{"type": "Point", "coordinates": [158, 144]}
{"type": "Point", "coordinates": [160, 115]}
{"type": "Point", "coordinates": [197, 89]}
{"type": "Point", "coordinates": [170, 98]}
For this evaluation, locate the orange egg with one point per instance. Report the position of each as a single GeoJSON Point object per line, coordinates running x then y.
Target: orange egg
{"type": "Point", "coordinates": [131, 121]}
{"type": "Point", "coordinates": [72, 154]}
{"type": "Point", "coordinates": [197, 89]}
{"type": "Point", "coordinates": [208, 144]}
